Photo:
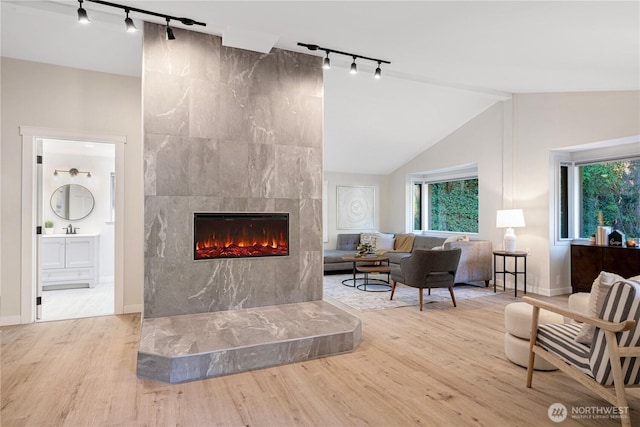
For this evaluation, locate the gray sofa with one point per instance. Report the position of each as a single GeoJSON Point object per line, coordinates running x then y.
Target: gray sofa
{"type": "Point", "coordinates": [345, 245]}
{"type": "Point", "coordinates": [475, 260]}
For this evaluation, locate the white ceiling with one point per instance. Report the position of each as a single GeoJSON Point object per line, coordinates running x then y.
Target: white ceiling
{"type": "Point", "coordinates": [449, 60]}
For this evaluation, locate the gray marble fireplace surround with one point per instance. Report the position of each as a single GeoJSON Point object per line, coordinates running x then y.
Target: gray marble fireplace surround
{"type": "Point", "coordinates": [229, 130]}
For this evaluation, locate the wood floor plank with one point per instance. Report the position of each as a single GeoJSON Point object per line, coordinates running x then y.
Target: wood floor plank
{"type": "Point", "coordinates": [442, 366]}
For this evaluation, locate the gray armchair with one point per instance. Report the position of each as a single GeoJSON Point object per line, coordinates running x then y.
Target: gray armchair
{"type": "Point", "coordinates": [427, 269]}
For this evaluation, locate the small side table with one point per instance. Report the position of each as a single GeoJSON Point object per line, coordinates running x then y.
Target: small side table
{"type": "Point", "coordinates": [515, 255]}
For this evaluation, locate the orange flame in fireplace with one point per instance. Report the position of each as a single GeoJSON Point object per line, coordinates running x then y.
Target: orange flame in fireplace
{"type": "Point", "coordinates": [248, 242]}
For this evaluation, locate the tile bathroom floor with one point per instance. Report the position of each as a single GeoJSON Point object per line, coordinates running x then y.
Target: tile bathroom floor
{"type": "Point", "coordinates": [75, 303]}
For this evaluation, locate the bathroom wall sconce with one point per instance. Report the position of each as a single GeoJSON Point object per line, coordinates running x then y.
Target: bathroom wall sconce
{"type": "Point", "coordinates": [73, 172]}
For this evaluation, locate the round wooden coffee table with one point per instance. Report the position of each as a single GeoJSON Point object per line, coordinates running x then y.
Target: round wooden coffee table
{"type": "Point", "coordinates": [379, 285]}
{"type": "Point", "coordinates": [362, 261]}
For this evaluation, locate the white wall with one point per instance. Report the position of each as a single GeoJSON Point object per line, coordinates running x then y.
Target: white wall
{"type": "Point", "coordinates": [511, 143]}
{"type": "Point", "coordinates": [42, 95]}
{"type": "Point", "coordinates": [479, 141]}
{"type": "Point", "coordinates": [545, 122]}
{"type": "Point", "coordinates": [382, 209]}
{"type": "Point", "coordinates": [98, 221]}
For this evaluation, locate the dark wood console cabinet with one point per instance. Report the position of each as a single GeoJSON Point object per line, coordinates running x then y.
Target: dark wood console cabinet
{"type": "Point", "coordinates": [587, 261]}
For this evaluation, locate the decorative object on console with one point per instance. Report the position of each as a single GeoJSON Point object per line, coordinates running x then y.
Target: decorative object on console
{"type": "Point", "coordinates": [615, 238]}
{"type": "Point", "coordinates": [510, 218]}
{"type": "Point", "coordinates": [601, 235]}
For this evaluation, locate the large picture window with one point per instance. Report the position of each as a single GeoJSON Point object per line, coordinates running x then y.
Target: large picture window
{"type": "Point", "coordinates": [608, 189]}
{"type": "Point", "coordinates": [447, 205]}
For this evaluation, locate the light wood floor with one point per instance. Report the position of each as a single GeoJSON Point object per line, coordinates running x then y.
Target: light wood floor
{"type": "Point", "coordinates": [444, 366]}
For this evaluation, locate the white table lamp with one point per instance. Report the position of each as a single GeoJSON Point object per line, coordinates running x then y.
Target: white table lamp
{"type": "Point", "coordinates": [510, 218]}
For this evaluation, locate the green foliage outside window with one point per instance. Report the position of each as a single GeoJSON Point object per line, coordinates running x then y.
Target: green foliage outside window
{"type": "Point", "coordinates": [453, 206]}
{"type": "Point", "coordinates": [612, 188]}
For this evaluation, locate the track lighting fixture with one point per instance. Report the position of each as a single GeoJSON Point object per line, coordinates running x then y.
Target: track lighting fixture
{"type": "Point", "coordinates": [170, 35]}
{"type": "Point", "coordinates": [83, 17]}
{"type": "Point", "coordinates": [326, 64]}
{"type": "Point", "coordinates": [354, 67]}
{"type": "Point", "coordinates": [128, 22]}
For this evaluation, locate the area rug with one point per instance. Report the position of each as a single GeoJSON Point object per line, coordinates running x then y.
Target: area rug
{"type": "Point", "coordinates": [404, 296]}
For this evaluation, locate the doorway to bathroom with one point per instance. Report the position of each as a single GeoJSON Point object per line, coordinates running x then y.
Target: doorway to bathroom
{"type": "Point", "coordinates": [76, 250]}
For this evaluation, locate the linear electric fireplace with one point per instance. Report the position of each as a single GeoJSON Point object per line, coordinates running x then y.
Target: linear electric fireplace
{"type": "Point", "coordinates": [240, 235]}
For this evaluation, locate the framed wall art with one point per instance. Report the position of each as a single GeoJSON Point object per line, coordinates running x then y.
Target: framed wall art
{"type": "Point", "coordinates": [356, 207]}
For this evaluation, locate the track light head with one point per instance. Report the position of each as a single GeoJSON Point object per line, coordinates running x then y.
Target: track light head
{"type": "Point", "coordinates": [128, 22]}
{"type": "Point", "coordinates": [354, 67]}
{"type": "Point", "coordinates": [378, 73]}
{"type": "Point", "coordinates": [326, 63]}
{"type": "Point", "coordinates": [83, 18]}
{"type": "Point", "coordinates": [170, 35]}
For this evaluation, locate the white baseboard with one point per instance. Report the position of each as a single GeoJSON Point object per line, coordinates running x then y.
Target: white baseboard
{"type": "Point", "coordinates": [105, 279]}
{"type": "Point", "coordinates": [133, 308]}
{"type": "Point", "coordinates": [10, 320]}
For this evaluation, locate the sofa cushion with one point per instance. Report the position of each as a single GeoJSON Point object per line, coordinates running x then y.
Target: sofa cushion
{"type": "Point", "coordinates": [333, 255]}
{"type": "Point", "coordinates": [427, 242]}
{"type": "Point", "coordinates": [348, 242]}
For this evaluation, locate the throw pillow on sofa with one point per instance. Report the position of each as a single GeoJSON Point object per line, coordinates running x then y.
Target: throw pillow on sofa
{"type": "Point", "coordinates": [384, 242]}
{"type": "Point", "coordinates": [449, 240]}
{"type": "Point", "coordinates": [369, 238]}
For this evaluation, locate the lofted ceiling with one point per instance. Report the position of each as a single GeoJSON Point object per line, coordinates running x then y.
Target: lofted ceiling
{"type": "Point", "coordinates": [449, 60]}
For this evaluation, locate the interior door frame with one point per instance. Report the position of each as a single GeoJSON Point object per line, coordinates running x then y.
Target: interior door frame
{"type": "Point", "coordinates": [29, 246]}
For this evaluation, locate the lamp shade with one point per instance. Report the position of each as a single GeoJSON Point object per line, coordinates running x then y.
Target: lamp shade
{"type": "Point", "coordinates": [510, 218]}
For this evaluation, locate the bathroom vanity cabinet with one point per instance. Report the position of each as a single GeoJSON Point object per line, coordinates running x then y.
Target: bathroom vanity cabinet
{"type": "Point", "coordinates": [69, 261]}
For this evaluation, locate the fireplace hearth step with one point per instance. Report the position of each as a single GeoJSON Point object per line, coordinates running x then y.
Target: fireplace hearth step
{"type": "Point", "coordinates": [189, 347]}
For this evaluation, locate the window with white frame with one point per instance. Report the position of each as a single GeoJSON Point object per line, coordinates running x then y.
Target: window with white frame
{"type": "Point", "coordinates": [445, 202]}
{"type": "Point", "coordinates": [590, 191]}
